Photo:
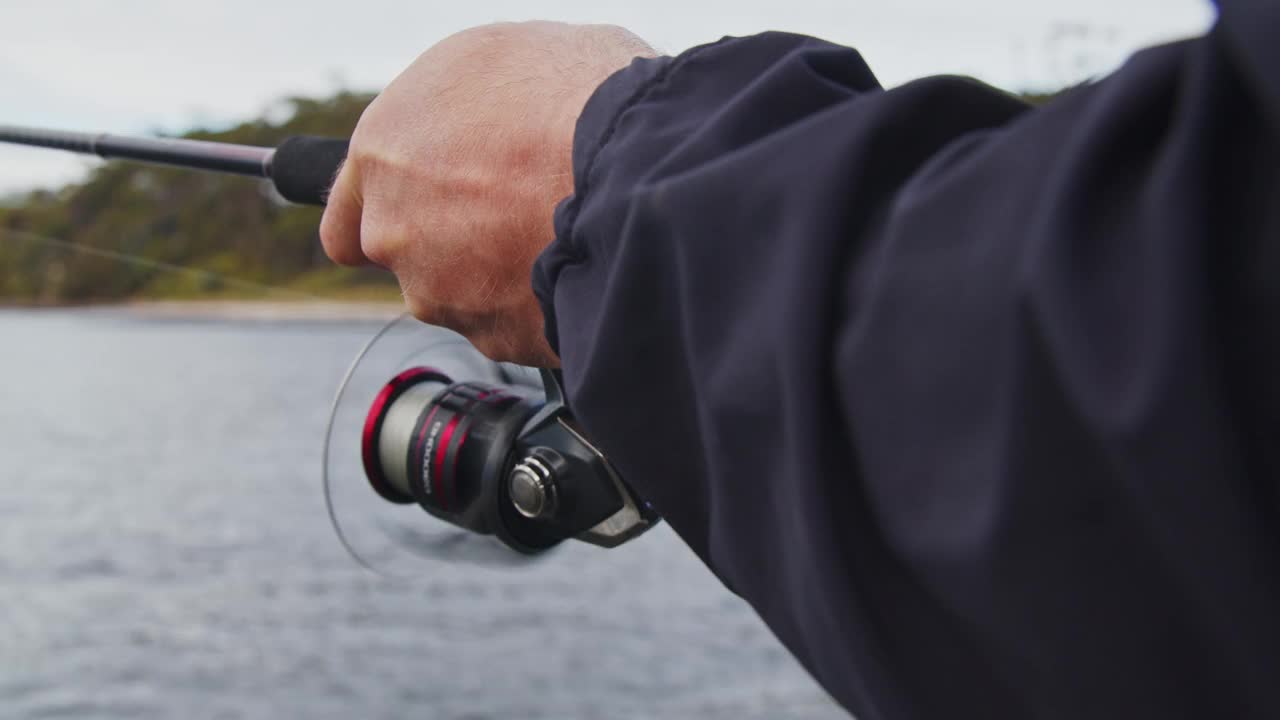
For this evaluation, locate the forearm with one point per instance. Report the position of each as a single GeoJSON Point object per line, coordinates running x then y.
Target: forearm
{"type": "Point", "coordinates": [902, 366]}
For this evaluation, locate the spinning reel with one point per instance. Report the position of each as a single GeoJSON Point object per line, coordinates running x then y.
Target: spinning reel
{"type": "Point", "coordinates": [425, 428]}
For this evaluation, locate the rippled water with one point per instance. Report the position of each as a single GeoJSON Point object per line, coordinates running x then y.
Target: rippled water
{"type": "Point", "coordinates": [164, 553]}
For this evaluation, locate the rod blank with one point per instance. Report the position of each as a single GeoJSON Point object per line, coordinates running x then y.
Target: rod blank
{"type": "Point", "coordinates": [198, 154]}
{"type": "Point", "coordinates": [302, 168]}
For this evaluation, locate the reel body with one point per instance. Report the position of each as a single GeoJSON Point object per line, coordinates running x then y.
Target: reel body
{"type": "Point", "coordinates": [453, 447]}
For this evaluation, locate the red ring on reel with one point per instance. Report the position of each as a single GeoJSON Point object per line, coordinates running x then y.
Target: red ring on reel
{"type": "Point", "coordinates": [373, 426]}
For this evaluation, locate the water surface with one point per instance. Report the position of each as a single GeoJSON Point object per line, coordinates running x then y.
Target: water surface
{"type": "Point", "coordinates": [164, 553]}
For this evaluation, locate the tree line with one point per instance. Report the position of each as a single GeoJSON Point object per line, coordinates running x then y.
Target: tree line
{"type": "Point", "coordinates": [138, 231]}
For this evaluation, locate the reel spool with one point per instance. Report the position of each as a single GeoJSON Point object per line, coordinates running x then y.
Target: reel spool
{"type": "Point", "coordinates": [434, 453]}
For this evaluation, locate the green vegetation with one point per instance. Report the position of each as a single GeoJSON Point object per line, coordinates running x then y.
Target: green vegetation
{"type": "Point", "coordinates": [138, 231]}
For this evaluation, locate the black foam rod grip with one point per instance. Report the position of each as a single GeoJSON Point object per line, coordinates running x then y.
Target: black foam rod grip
{"type": "Point", "coordinates": [304, 167]}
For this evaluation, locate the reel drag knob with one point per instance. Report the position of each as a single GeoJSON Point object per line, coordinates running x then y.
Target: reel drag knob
{"type": "Point", "coordinates": [533, 484]}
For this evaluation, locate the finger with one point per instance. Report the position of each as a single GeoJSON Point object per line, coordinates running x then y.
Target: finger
{"type": "Point", "coordinates": [340, 226]}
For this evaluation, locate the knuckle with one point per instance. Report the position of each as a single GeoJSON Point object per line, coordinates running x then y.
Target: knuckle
{"type": "Point", "coordinates": [343, 255]}
{"type": "Point", "coordinates": [339, 226]}
{"type": "Point", "coordinates": [377, 242]}
{"type": "Point", "coordinates": [337, 246]}
{"type": "Point", "coordinates": [378, 251]}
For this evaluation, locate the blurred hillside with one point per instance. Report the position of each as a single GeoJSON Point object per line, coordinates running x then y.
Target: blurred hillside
{"type": "Point", "coordinates": [234, 236]}
{"type": "Point", "coordinates": [66, 246]}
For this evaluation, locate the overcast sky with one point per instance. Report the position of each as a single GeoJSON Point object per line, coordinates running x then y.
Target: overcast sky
{"type": "Point", "coordinates": [122, 66]}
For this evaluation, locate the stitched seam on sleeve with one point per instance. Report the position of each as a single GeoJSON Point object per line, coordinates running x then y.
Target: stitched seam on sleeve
{"type": "Point", "coordinates": [636, 98]}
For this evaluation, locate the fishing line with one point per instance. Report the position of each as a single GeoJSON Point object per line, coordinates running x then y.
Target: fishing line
{"type": "Point", "coordinates": [160, 265]}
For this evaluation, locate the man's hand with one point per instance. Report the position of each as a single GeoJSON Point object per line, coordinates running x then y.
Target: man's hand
{"type": "Point", "coordinates": [455, 170]}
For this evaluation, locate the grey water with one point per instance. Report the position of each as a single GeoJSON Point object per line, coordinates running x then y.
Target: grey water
{"type": "Point", "coordinates": [165, 552]}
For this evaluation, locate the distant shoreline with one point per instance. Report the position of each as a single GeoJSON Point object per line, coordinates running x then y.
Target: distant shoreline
{"type": "Point", "coordinates": [256, 310]}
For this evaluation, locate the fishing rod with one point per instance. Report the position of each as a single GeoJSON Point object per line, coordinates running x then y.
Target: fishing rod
{"type": "Point", "coordinates": [302, 168]}
{"type": "Point", "coordinates": [422, 420]}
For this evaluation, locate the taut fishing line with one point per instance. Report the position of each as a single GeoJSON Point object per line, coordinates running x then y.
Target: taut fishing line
{"type": "Point", "coordinates": [159, 266]}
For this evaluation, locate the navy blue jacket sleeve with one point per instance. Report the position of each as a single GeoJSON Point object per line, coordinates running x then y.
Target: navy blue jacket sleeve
{"type": "Point", "coordinates": [976, 404]}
